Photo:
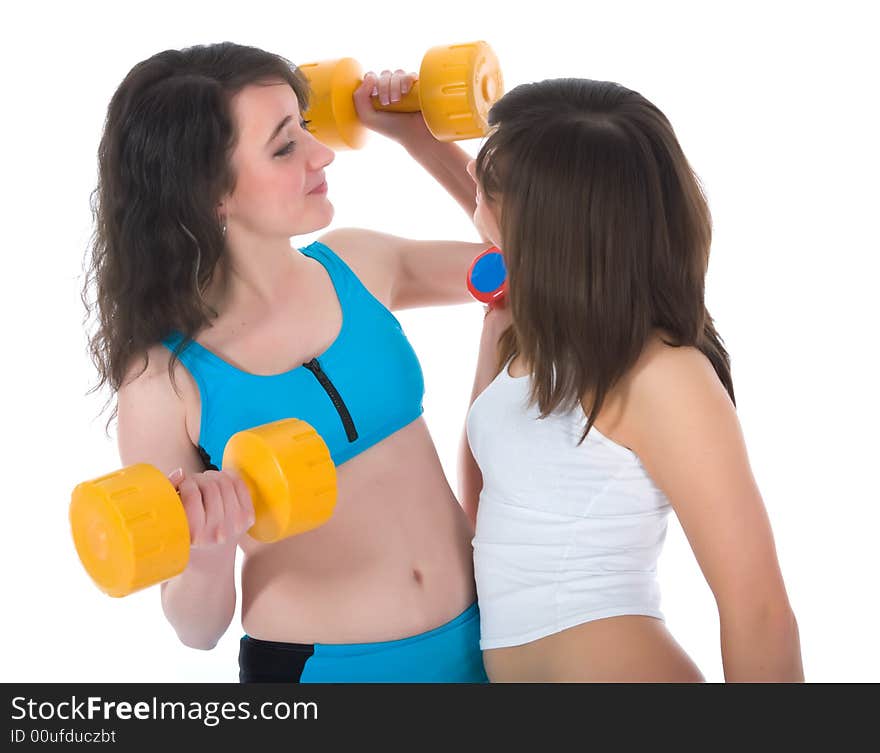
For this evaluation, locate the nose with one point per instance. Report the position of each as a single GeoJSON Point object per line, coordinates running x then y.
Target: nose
{"type": "Point", "coordinates": [321, 154]}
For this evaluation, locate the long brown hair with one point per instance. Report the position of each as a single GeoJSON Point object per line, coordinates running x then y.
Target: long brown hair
{"type": "Point", "coordinates": [163, 166]}
{"type": "Point", "coordinates": [605, 231]}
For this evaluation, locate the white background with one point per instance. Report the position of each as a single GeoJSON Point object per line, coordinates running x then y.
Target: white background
{"type": "Point", "coordinates": [775, 106]}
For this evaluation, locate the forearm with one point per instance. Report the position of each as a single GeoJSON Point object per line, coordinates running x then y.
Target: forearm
{"type": "Point", "coordinates": [761, 648]}
{"type": "Point", "coordinates": [447, 162]}
{"type": "Point", "coordinates": [200, 602]}
{"type": "Point", "coordinates": [469, 474]}
{"type": "Point", "coordinates": [470, 479]}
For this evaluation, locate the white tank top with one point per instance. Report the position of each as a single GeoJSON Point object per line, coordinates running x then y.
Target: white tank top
{"type": "Point", "coordinates": [564, 534]}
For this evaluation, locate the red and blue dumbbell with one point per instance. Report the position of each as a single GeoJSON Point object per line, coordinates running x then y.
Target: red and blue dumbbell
{"type": "Point", "coordinates": [487, 277]}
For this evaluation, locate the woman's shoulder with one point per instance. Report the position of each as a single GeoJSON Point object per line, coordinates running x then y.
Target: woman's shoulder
{"type": "Point", "coordinates": [665, 379]}
{"type": "Point", "coordinates": [671, 383]}
{"type": "Point", "coordinates": [663, 363]}
{"type": "Point", "coordinates": [344, 240]}
{"type": "Point", "coordinates": [147, 386]}
{"type": "Point", "coordinates": [152, 362]}
{"type": "Point", "coordinates": [370, 255]}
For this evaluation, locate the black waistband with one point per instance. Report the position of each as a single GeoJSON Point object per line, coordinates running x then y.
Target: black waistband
{"type": "Point", "coordinates": [271, 661]}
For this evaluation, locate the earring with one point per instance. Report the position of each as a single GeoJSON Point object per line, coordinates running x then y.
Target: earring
{"type": "Point", "coordinates": [223, 228]}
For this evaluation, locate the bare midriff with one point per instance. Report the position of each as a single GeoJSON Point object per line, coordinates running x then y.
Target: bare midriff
{"type": "Point", "coordinates": [394, 560]}
{"type": "Point", "coordinates": [626, 648]}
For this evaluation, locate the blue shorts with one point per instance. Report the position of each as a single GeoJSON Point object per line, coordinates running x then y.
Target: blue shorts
{"type": "Point", "coordinates": [449, 653]}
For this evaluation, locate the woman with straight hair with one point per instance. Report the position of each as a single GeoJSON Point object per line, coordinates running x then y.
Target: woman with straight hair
{"type": "Point", "coordinates": [603, 400]}
{"type": "Point", "coordinates": [210, 322]}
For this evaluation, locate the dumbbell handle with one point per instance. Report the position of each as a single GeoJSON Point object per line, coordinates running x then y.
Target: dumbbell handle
{"type": "Point", "coordinates": [408, 102]}
{"type": "Point", "coordinates": [411, 101]}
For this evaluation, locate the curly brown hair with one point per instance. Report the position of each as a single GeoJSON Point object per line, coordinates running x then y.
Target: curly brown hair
{"type": "Point", "coordinates": [163, 167]}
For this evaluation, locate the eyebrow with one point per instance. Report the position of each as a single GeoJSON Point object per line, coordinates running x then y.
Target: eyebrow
{"type": "Point", "coordinates": [278, 128]}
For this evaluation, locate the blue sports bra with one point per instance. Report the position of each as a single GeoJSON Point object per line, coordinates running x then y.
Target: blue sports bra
{"type": "Point", "coordinates": [365, 386]}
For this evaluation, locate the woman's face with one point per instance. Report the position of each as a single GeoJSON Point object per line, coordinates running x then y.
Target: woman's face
{"type": "Point", "coordinates": [484, 216]}
{"type": "Point", "coordinates": [278, 164]}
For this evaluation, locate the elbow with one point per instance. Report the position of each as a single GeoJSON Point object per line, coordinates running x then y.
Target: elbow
{"type": "Point", "coordinates": [208, 637]}
{"type": "Point", "coordinates": [198, 630]}
{"type": "Point", "coordinates": [787, 624]}
{"type": "Point", "coordinates": [783, 626]}
{"type": "Point", "coordinates": [778, 617]}
{"type": "Point", "coordinates": [770, 618]}
{"type": "Point", "coordinates": [770, 607]}
{"type": "Point", "coordinates": [201, 645]}
{"type": "Point", "coordinates": [200, 642]}
{"type": "Point", "coordinates": [203, 637]}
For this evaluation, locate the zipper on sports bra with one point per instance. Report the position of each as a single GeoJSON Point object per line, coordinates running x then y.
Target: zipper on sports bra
{"type": "Point", "coordinates": [338, 403]}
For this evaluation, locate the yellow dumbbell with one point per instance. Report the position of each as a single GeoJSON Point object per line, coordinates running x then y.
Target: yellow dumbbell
{"type": "Point", "coordinates": [130, 528]}
{"type": "Point", "coordinates": [456, 87]}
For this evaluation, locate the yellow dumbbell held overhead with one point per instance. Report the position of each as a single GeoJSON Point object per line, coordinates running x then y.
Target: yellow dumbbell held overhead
{"type": "Point", "coordinates": [130, 529]}
{"type": "Point", "coordinates": [457, 85]}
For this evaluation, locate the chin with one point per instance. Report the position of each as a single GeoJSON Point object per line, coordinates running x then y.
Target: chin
{"type": "Point", "coordinates": [329, 214]}
{"type": "Point", "coordinates": [317, 221]}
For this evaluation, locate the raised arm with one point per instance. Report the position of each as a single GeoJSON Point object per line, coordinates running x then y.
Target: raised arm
{"type": "Point", "coordinates": [447, 162]}
{"type": "Point", "coordinates": [414, 273]}
{"type": "Point", "coordinates": [411, 273]}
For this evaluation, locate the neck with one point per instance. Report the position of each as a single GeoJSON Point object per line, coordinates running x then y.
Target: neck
{"type": "Point", "coordinates": [255, 274]}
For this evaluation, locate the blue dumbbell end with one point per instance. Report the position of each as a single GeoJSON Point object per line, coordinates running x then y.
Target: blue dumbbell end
{"type": "Point", "coordinates": [489, 273]}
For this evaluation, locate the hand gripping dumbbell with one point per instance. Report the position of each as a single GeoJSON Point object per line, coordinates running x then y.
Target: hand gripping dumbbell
{"type": "Point", "coordinates": [487, 277]}
{"type": "Point", "coordinates": [130, 528]}
{"type": "Point", "coordinates": [457, 85]}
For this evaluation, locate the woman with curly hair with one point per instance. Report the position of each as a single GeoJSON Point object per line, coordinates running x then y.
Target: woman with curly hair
{"type": "Point", "coordinates": [210, 322]}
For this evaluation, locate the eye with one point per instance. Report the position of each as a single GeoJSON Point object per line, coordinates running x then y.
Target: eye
{"type": "Point", "coordinates": [288, 147]}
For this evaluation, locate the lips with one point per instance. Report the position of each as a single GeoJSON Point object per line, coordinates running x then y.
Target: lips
{"type": "Point", "coordinates": [322, 188]}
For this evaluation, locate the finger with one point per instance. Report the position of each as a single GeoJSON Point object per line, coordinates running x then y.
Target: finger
{"type": "Point", "coordinates": [245, 502]}
{"type": "Point", "coordinates": [176, 478]}
{"type": "Point", "coordinates": [213, 508]}
{"type": "Point", "coordinates": [370, 82]}
{"type": "Point", "coordinates": [407, 83]}
{"type": "Point", "coordinates": [191, 498]}
{"type": "Point", "coordinates": [396, 84]}
{"type": "Point", "coordinates": [229, 500]}
{"type": "Point", "coordinates": [384, 86]}
{"type": "Point", "coordinates": [364, 96]}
